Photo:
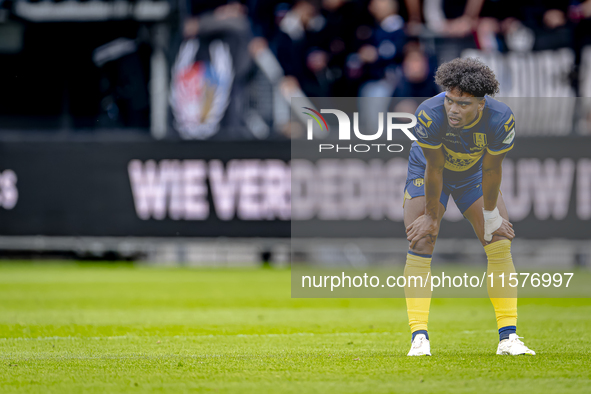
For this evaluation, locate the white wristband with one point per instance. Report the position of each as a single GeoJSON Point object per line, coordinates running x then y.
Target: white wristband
{"type": "Point", "coordinates": [492, 222]}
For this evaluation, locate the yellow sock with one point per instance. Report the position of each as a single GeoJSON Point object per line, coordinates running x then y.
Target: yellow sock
{"type": "Point", "coordinates": [503, 298]}
{"type": "Point", "coordinates": [418, 299]}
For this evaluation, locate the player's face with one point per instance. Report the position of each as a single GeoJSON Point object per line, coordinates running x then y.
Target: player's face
{"type": "Point", "coordinates": [461, 108]}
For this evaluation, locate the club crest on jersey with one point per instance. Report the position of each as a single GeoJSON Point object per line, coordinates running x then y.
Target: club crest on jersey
{"type": "Point", "coordinates": [480, 140]}
{"type": "Point", "coordinates": [421, 131]}
{"type": "Point", "coordinates": [418, 182]}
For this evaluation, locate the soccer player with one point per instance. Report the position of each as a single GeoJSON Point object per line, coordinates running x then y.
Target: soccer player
{"type": "Point", "coordinates": [462, 134]}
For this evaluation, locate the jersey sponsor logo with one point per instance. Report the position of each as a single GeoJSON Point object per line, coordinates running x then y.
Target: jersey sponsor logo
{"type": "Point", "coordinates": [510, 137]}
{"type": "Point", "coordinates": [421, 131]}
{"type": "Point", "coordinates": [480, 140]}
{"type": "Point", "coordinates": [510, 123]}
{"type": "Point", "coordinates": [418, 182]}
{"type": "Point", "coordinates": [425, 119]}
{"type": "Point", "coordinates": [457, 161]}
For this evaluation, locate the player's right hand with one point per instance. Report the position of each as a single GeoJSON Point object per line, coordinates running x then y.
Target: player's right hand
{"type": "Point", "coordinates": [495, 224]}
{"type": "Point", "coordinates": [506, 230]}
{"type": "Point", "coordinates": [423, 227]}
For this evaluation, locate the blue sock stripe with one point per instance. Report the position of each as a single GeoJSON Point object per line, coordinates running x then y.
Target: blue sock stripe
{"type": "Point", "coordinates": [426, 256]}
{"type": "Point", "coordinates": [414, 334]}
{"type": "Point", "coordinates": [504, 332]}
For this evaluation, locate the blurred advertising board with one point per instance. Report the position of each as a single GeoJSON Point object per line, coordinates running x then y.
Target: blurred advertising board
{"type": "Point", "coordinates": [255, 189]}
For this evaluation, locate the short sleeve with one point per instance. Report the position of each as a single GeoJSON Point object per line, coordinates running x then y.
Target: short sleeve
{"type": "Point", "coordinates": [504, 136]}
{"type": "Point", "coordinates": [427, 129]}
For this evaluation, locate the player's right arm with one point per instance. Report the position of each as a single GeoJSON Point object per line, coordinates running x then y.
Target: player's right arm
{"type": "Point", "coordinates": [428, 134]}
{"type": "Point", "coordinates": [501, 141]}
{"type": "Point", "coordinates": [427, 226]}
{"type": "Point", "coordinates": [433, 180]}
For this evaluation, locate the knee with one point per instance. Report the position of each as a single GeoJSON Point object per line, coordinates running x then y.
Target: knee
{"type": "Point", "coordinates": [496, 238]}
{"type": "Point", "coordinates": [424, 246]}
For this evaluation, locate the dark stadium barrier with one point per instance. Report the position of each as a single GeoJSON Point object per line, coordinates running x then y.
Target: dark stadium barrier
{"type": "Point", "coordinates": [243, 189]}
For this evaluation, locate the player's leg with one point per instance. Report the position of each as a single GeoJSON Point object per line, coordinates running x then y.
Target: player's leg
{"type": "Point", "coordinates": [500, 263]}
{"type": "Point", "coordinates": [474, 215]}
{"type": "Point", "coordinates": [414, 208]}
{"type": "Point", "coordinates": [418, 264]}
{"type": "Point", "coordinates": [418, 259]}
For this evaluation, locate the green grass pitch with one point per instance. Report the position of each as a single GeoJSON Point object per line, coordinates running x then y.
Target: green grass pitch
{"type": "Point", "coordinates": [118, 328]}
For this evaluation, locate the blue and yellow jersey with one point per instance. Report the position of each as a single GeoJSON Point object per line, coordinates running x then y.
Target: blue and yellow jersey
{"type": "Point", "coordinates": [492, 131]}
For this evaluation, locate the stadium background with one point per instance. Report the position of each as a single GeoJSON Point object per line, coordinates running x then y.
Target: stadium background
{"type": "Point", "coordinates": [148, 130]}
{"type": "Point", "coordinates": [145, 175]}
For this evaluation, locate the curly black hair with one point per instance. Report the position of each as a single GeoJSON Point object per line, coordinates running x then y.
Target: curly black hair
{"type": "Point", "coordinates": [468, 75]}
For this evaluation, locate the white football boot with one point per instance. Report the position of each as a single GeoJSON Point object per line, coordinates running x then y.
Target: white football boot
{"type": "Point", "coordinates": [513, 347]}
{"type": "Point", "coordinates": [420, 346]}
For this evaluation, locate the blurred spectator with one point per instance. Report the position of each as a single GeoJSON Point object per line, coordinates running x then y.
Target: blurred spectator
{"type": "Point", "coordinates": [408, 105]}
{"type": "Point", "coordinates": [298, 48]}
{"type": "Point", "coordinates": [472, 20]}
{"type": "Point", "coordinates": [416, 75]}
{"type": "Point", "coordinates": [123, 85]}
{"type": "Point", "coordinates": [414, 25]}
{"type": "Point", "coordinates": [500, 25]}
{"type": "Point", "coordinates": [265, 14]}
{"type": "Point", "coordinates": [547, 22]}
{"type": "Point", "coordinates": [337, 38]}
{"type": "Point", "coordinates": [452, 18]}
{"type": "Point", "coordinates": [382, 52]}
{"type": "Point", "coordinates": [580, 13]}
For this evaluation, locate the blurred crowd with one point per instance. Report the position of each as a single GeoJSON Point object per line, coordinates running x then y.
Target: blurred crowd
{"type": "Point", "coordinates": [376, 48]}
{"type": "Point", "coordinates": [227, 69]}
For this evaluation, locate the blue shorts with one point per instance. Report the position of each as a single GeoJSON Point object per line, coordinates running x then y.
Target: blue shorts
{"type": "Point", "coordinates": [464, 190]}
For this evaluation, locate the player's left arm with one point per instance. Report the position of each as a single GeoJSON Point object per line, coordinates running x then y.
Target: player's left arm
{"type": "Point", "coordinates": [492, 175]}
{"type": "Point", "coordinates": [502, 141]}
